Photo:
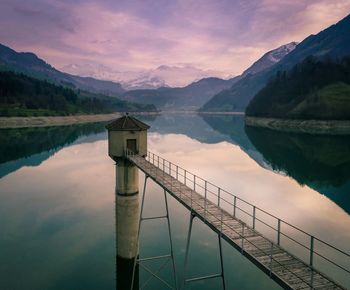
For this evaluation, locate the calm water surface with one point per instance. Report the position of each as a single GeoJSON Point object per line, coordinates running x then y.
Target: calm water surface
{"type": "Point", "coordinates": [57, 200]}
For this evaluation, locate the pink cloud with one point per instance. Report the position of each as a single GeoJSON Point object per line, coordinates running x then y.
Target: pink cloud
{"type": "Point", "coordinates": [131, 35]}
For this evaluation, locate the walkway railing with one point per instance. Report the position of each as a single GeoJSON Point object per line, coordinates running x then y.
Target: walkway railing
{"type": "Point", "coordinates": [316, 253]}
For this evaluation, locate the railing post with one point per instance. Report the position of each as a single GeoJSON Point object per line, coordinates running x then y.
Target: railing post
{"type": "Point", "coordinates": [158, 161]}
{"type": "Point", "coordinates": [254, 210]}
{"type": "Point", "coordinates": [177, 172]}
{"type": "Point", "coordinates": [242, 237]}
{"type": "Point", "coordinates": [185, 177]}
{"type": "Point", "coordinates": [205, 199]}
{"type": "Point", "coordinates": [191, 200]}
{"type": "Point", "coordinates": [271, 251]}
{"type": "Point", "coordinates": [311, 251]}
{"type": "Point", "coordinates": [219, 192]}
{"type": "Point", "coordinates": [278, 232]}
{"type": "Point", "coordinates": [156, 169]}
{"type": "Point", "coordinates": [170, 168]}
{"type": "Point", "coordinates": [221, 223]}
{"type": "Point", "coordinates": [234, 206]}
{"type": "Point", "coordinates": [194, 182]}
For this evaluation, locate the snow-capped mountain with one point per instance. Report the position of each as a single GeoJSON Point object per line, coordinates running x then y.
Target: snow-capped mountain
{"type": "Point", "coordinates": [162, 76]}
{"type": "Point", "coordinates": [270, 58]}
{"type": "Point", "coordinates": [144, 81]}
{"type": "Point", "coordinates": [180, 76]}
{"type": "Point", "coordinates": [98, 71]}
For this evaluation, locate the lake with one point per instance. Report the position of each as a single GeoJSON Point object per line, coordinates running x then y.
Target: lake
{"type": "Point", "coordinates": [58, 203]}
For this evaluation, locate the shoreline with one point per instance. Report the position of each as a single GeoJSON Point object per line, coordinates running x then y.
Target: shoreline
{"type": "Point", "coordinates": [327, 127]}
{"type": "Point", "coordinates": [221, 113]}
{"type": "Point", "coordinates": [48, 121]}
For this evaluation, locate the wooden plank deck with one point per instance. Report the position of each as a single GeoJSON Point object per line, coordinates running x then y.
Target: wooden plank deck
{"type": "Point", "coordinates": [286, 269]}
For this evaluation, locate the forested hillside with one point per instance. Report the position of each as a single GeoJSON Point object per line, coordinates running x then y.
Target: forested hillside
{"type": "Point", "coordinates": [314, 89]}
{"type": "Point", "coordinates": [21, 95]}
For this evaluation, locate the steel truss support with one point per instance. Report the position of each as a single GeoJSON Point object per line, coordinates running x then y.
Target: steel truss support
{"type": "Point", "coordinates": [166, 258]}
{"type": "Point", "coordinates": [212, 276]}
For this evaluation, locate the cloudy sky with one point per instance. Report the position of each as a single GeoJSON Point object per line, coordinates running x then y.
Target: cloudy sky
{"type": "Point", "coordinates": [221, 35]}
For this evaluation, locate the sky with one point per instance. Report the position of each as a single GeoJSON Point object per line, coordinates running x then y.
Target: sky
{"type": "Point", "coordinates": [130, 35]}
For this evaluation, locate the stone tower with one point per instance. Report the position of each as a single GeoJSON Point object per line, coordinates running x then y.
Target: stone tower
{"type": "Point", "coordinates": [127, 134]}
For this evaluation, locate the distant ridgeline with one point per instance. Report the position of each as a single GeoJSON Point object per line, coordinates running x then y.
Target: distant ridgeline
{"type": "Point", "coordinates": [317, 88]}
{"type": "Point", "coordinates": [21, 95]}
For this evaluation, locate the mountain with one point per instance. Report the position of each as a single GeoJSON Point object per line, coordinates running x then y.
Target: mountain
{"type": "Point", "coordinates": [29, 63]}
{"type": "Point", "coordinates": [190, 97]}
{"type": "Point", "coordinates": [201, 92]}
{"type": "Point", "coordinates": [162, 76]}
{"type": "Point", "coordinates": [181, 76]}
{"type": "Point", "coordinates": [333, 41]}
{"type": "Point", "coordinates": [144, 81]}
{"type": "Point", "coordinates": [270, 58]}
{"type": "Point", "coordinates": [251, 81]}
{"type": "Point", "coordinates": [128, 79]}
{"type": "Point", "coordinates": [317, 89]}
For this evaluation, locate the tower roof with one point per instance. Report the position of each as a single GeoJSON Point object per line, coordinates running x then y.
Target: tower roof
{"type": "Point", "coordinates": [127, 123]}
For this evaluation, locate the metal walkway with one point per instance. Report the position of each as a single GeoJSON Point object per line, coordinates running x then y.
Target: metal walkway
{"type": "Point", "coordinates": [237, 221]}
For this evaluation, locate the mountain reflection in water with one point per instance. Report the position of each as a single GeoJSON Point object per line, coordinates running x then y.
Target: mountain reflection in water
{"type": "Point", "coordinates": [31, 146]}
{"type": "Point", "coordinates": [320, 162]}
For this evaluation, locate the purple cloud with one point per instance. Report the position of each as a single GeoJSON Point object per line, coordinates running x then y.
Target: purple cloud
{"type": "Point", "coordinates": [222, 35]}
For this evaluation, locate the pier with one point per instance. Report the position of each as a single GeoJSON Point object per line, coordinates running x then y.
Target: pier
{"type": "Point", "coordinates": [218, 209]}
{"type": "Point", "coordinates": [290, 256]}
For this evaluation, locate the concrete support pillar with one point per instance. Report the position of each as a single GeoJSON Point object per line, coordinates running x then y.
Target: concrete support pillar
{"type": "Point", "coordinates": [127, 223]}
{"type": "Point", "coordinates": [127, 178]}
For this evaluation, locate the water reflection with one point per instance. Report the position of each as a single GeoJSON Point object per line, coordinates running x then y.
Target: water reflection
{"type": "Point", "coordinates": [67, 203]}
{"type": "Point", "coordinates": [321, 162]}
{"type": "Point", "coordinates": [190, 125]}
{"type": "Point", "coordinates": [31, 146]}
{"type": "Point", "coordinates": [57, 222]}
{"type": "Point", "coordinates": [232, 128]}
{"type": "Point", "coordinates": [226, 165]}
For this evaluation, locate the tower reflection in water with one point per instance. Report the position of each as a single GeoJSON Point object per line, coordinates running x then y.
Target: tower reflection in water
{"type": "Point", "coordinates": [127, 224]}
